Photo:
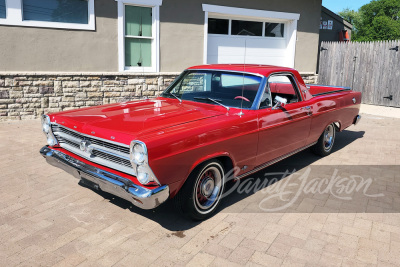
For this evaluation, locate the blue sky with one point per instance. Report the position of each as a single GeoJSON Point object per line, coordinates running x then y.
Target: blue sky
{"type": "Point", "coordinates": [338, 5]}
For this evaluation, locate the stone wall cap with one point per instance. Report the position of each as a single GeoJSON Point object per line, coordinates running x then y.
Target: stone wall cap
{"type": "Point", "coordinates": [16, 73]}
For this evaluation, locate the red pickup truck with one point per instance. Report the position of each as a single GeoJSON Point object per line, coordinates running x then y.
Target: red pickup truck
{"type": "Point", "coordinates": [210, 120]}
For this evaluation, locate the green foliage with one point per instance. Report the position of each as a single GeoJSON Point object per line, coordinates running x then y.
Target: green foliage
{"type": "Point", "coordinates": [351, 16]}
{"type": "Point", "coordinates": [378, 20]}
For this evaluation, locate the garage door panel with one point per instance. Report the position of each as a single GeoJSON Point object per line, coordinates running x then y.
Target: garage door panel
{"type": "Point", "coordinates": [249, 60]}
{"type": "Point", "coordinates": [232, 49]}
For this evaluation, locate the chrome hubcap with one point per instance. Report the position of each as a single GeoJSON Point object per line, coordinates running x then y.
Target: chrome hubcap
{"type": "Point", "coordinates": [329, 137]}
{"type": "Point", "coordinates": [208, 188]}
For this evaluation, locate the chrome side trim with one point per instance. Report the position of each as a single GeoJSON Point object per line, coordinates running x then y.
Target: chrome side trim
{"type": "Point", "coordinates": [108, 182]}
{"type": "Point", "coordinates": [320, 85]}
{"type": "Point", "coordinates": [273, 161]}
{"type": "Point", "coordinates": [332, 92]}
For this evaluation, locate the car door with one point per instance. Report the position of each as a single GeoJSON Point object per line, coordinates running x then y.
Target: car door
{"type": "Point", "coordinates": [282, 129]}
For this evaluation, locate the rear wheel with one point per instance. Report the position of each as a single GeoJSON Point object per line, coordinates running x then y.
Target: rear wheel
{"type": "Point", "coordinates": [201, 194]}
{"type": "Point", "coordinates": [326, 141]}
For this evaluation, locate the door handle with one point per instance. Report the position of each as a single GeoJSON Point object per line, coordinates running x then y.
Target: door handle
{"type": "Point", "coordinates": [308, 109]}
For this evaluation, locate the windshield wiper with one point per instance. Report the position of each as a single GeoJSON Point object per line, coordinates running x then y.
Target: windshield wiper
{"type": "Point", "coordinates": [216, 101]}
{"type": "Point", "coordinates": [180, 100]}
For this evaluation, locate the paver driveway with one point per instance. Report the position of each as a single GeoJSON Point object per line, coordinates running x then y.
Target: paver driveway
{"type": "Point", "coordinates": [47, 219]}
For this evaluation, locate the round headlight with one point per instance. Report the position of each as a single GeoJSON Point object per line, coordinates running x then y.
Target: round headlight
{"type": "Point", "coordinates": [139, 155]}
{"type": "Point", "coordinates": [46, 124]}
{"type": "Point", "coordinates": [46, 128]}
{"type": "Point", "coordinates": [51, 141]}
{"type": "Point", "coordinates": [142, 175]}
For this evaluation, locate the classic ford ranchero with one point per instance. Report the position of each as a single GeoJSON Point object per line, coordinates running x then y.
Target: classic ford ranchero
{"type": "Point", "coordinates": [210, 120]}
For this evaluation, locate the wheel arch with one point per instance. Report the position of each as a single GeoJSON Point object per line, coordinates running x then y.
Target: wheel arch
{"type": "Point", "coordinates": [224, 157]}
{"type": "Point", "coordinates": [336, 123]}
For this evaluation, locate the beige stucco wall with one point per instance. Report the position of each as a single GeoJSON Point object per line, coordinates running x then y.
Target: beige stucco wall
{"type": "Point", "coordinates": [25, 49]}
{"type": "Point", "coordinates": [41, 49]}
{"type": "Point", "coordinates": [183, 27]}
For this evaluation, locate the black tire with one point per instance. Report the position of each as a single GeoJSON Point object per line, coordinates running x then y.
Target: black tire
{"type": "Point", "coordinates": [325, 142]}
{"type": "Point", "coordinates": [199, 184]}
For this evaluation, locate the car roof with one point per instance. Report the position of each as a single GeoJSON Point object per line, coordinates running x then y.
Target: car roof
{"type": "Point", "coordinates": [264, 70]}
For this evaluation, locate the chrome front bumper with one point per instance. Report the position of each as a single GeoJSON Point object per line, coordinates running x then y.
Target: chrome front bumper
{"type": "Point", "coordinates": [108, 182]}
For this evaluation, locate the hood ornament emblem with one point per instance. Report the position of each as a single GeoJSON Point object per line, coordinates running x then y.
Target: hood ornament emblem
{"type": "Point", "coordinates": [85, 146]}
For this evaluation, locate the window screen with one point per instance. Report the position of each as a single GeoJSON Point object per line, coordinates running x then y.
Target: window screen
{"type": "Point", "coordinates": [138, 21]}
{"type": "Point", "coordinates": [250, 28]}
{"type": "Point", "coordinates": [138, 36]}
{"type": "Point", "coordinates": [2, 9]}
{"type": "Point", "coordinates": [218, 26]}
{"type": "Point", "coordinates": [67, 11]}
{"type": "Point", "coordinates": [274, 29]}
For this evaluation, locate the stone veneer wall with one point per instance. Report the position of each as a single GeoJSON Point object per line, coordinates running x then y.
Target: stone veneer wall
{"type": "Point", "coordinates": [27, 96]}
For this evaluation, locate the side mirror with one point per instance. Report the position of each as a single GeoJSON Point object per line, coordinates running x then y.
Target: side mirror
{"type": "Point", "coordinates": [279, 102]}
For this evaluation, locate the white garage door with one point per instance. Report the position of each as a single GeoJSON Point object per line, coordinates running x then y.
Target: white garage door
{"type": "Point", "coordinates": [246, 42]}
{"type": "Point", "coordinates": [263, 38]}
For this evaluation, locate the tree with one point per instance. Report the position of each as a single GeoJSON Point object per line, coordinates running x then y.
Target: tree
{"type": "Point", "coordinates": [376, 21]}
{"type": "Point", "coordinates": [350, 15]}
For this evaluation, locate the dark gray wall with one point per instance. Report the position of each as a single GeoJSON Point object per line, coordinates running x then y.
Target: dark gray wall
{"type": "Point", "coordinates": [339, 24]}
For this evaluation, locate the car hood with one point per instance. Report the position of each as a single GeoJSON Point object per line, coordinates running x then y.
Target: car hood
{"type": "Point", "coordinates": [124, 122]}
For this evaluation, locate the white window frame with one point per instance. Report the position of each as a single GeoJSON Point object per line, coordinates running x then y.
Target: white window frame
{"type": "Point", "coordinates": [155, 46]}
{"type": "Point", "coordinates": [14, 17]}
{"type": "Point", "coordinates": [289, 19]}
{"type": "Point", "coordinates": [216, 16]}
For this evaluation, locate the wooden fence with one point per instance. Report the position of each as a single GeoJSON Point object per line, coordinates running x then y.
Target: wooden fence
{"type": "Point", "coordinates": [372, 68]}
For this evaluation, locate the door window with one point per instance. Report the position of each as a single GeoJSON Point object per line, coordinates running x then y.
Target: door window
{"type": "Point", "coordinates": [283, 86]}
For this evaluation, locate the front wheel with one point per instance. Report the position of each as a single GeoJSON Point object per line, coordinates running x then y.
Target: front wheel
{"type": "Point", "coordinates": [201, 194]}
{"type": "Point", "coordinates": [326, 141]}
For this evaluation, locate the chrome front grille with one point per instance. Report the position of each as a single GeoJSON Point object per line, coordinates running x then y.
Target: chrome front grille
{"type": "Point", "coordinates": [106, 153]}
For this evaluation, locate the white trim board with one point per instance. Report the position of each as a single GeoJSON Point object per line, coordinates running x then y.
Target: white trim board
{"type": "Point", "coordinates": [142, 2]}
{"type": "Point", "coordinates": [250, 13]}
{"type": "Point", "coordinates": [14, 17]}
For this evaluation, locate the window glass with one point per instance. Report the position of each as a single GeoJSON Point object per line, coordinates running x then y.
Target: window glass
{"type": "Point", "coordinates": [218, 26]}
{"type": "Point", "coordinates": [229, 89]}
{"type": "Point", "coordinates": [283, 86]}
{"type": "Point", "coordinates": [137, 52]}
{"type": "Point", "coordinates": [67, 11]}
{"type": "Point", "coordinates": [228, 80]}
{"type": "Point", "coordinates": [274, 29]}
{"type": "Point", "coordinates": [194, 82]}
{"type": "Point", "coordinates": [2, 9]}
{"type": "Point", "coordinates": [250, 28]}
{"type": "Point", "coordinates": [138, 21]}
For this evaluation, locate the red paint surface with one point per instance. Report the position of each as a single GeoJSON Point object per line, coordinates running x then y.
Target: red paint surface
{"type": "Point", "coordinates": [179, 136]}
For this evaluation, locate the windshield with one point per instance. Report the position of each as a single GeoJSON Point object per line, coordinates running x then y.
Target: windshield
{"type": "Point", "coordinates": [216, 87]}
